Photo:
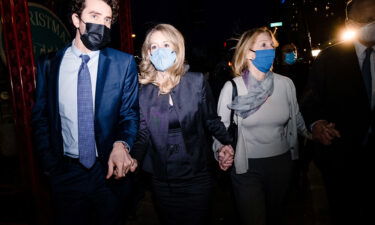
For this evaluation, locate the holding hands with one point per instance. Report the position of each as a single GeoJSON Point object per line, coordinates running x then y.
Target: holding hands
{"type": "Point", "coordinates": [120, 162]}
{"type": "Point", "coordinates": [225, 157]}
{"type": "Point", "coordinates": [324, 132]}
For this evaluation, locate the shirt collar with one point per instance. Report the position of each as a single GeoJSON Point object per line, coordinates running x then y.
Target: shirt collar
{"type": "Point", "coordinates": [78, 52]}
{"type": "Point", "coordinates": [360, 49]}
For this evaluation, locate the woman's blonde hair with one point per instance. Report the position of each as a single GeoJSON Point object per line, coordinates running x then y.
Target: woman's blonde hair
{"type": "Point", "coordinates": [246, 41]}
{"type": "Point", "coordinates": [147, 70]}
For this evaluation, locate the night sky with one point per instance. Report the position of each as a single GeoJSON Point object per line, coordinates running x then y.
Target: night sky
{"type": "Point", "coordinates": [205, 24]}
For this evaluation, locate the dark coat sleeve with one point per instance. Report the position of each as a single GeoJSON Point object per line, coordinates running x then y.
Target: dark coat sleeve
{"type": "Point", "coordinates": [40, 121]}
{"type": "Point", "coordinates": [312, 106]}
{"type": "Point", "coordinates": [211, 120]}
{"type": "Point", "coordinates": [143, 138]}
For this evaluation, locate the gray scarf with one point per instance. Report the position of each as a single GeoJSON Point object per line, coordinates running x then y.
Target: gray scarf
{"type": "Point", "coordinates": [258, 92]}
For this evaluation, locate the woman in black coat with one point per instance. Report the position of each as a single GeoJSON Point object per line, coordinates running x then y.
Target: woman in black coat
{"type": "Point", "coordinates": [177, 111]}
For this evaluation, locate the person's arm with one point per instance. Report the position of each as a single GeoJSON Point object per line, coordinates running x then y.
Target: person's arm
{"type": "Point", "coordinates": [300, 122]}
{"type": "Point", "coordinates": [143, 139]}
{"type": "Point", "coordinates": [312, 106]}
{"type": "Point", "coordinates": [129, 111]}
{"type": "Point", "coordinates": [120, 161]}
{"type": "Point", "coordinates": [40, 121]}
{"type": "Point", "coordinates": [313, 103]}
{"type": "Point", "coordinates": [223, 111]}
{"type": "Point", "coordinates": [225, 153]}
{"type": "Point", "coordinates": [211, 119]}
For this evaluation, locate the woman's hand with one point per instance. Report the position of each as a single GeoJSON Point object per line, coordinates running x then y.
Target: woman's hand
{"type": "Point", "coordinates": [225, 157]}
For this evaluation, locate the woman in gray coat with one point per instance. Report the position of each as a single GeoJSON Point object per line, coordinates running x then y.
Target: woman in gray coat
{"type": "Point", "coordinates": [268, 119]}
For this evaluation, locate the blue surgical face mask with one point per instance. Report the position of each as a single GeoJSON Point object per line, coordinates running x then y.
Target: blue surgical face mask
{"type": "Point", "coordinates": [163, 58]}
{"type": "Point", "coordinates": [264, 59]}
{"type": "Point", "coordinates": [290, 58]}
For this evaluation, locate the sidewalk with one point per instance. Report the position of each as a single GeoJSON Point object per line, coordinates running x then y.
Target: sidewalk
{"type": "Point", "coordinates": [307, 205]}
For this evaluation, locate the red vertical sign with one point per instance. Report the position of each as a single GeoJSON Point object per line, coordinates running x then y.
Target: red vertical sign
{"type": "Point", "coordinates": [125, 23]}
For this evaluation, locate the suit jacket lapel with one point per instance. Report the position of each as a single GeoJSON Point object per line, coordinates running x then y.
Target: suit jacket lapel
{"type": "Point", "coordinates": [176, 98]}
{"type": "Point", "coordinates": [103, 67]}
{"type": "Point", "coordinates": [156, 114]}
{"type": "Point", "coordinates": [180, 95]}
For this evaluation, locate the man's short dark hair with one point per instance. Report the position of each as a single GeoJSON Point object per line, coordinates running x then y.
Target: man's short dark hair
{"type": "Point", "coordinates": [353, 5]}
{"type": "Point", "coordinates": [77, 7]}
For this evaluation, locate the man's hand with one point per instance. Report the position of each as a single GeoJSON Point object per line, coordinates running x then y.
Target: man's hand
{"type": "Point", "coordinates": [225, 157]}
{"type": "Point", "coordinates": [324, 132]}
{"type": "Point", "coordinates": [120, 162]}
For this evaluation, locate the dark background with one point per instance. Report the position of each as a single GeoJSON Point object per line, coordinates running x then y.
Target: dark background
{"type": "Point", "coordinates": [207, 24]}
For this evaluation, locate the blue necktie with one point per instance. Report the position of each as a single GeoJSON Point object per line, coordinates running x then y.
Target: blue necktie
{"type": "Point", "coordinates": [86, 135]}
{"type": "Point", "coordinates": [366, 73]}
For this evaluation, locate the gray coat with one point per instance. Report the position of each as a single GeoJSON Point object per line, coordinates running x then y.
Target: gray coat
{"type": "Point", "coordinates": [294, 126]}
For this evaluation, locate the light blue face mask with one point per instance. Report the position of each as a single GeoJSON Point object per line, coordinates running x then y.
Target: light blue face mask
{"type": "Point", "coordinates": [163, 58]}
{"type": "Point", "coordinates": [290, 58]}
{"type": "Point", "coordinates": [264, 59]}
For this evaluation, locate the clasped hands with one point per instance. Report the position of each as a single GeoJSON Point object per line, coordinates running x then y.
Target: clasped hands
{"type": "Point", "coordinates": [225, 157]}
{"type": "Point", "coordinates": [324, 132]}
{"type": "Point", "coordinates": [120, 162]}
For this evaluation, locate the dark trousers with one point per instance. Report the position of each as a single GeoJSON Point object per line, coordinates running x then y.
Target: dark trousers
{"type": "Point", "coordinates": [260, 192]}
{"type": "Point", "coordinates": [348, 178]}
{"type": "Point", "coordinates": [81, 196]}
{"type": "Point", "coordinates": [185, 201]}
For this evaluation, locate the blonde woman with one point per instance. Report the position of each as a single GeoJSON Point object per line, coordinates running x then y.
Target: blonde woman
{"type": "Point", "coordinates": [267, 115]}
{"type": "Point", "coordinates": [176, 108]}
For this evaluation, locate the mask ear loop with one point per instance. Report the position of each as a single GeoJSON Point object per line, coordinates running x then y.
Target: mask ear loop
{"type": "Point", "coordinates": [254, 52]}
{"type": "Point", "coordinates": [82, 22]}
{"type": "Point", "coordinates": [150, 54]}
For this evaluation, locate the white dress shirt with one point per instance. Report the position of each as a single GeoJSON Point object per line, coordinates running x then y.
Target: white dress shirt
{"type": "Point", "coordinates": [361, 54]}
{"type": "Point", "coordinates": [68, 78]}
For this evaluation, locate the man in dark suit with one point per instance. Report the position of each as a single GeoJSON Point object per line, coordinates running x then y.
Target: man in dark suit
{"type": "Point", "coordinates": [85, 119]}
{"type": "Point", "coordinates": [339, 107]}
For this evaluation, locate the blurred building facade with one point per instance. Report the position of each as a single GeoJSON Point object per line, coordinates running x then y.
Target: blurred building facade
{"type": "Point", "coordinates": [311, 24]}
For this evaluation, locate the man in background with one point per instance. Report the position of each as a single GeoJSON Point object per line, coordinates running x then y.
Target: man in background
{"type": "Point", "coordinates": [339, 108]}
